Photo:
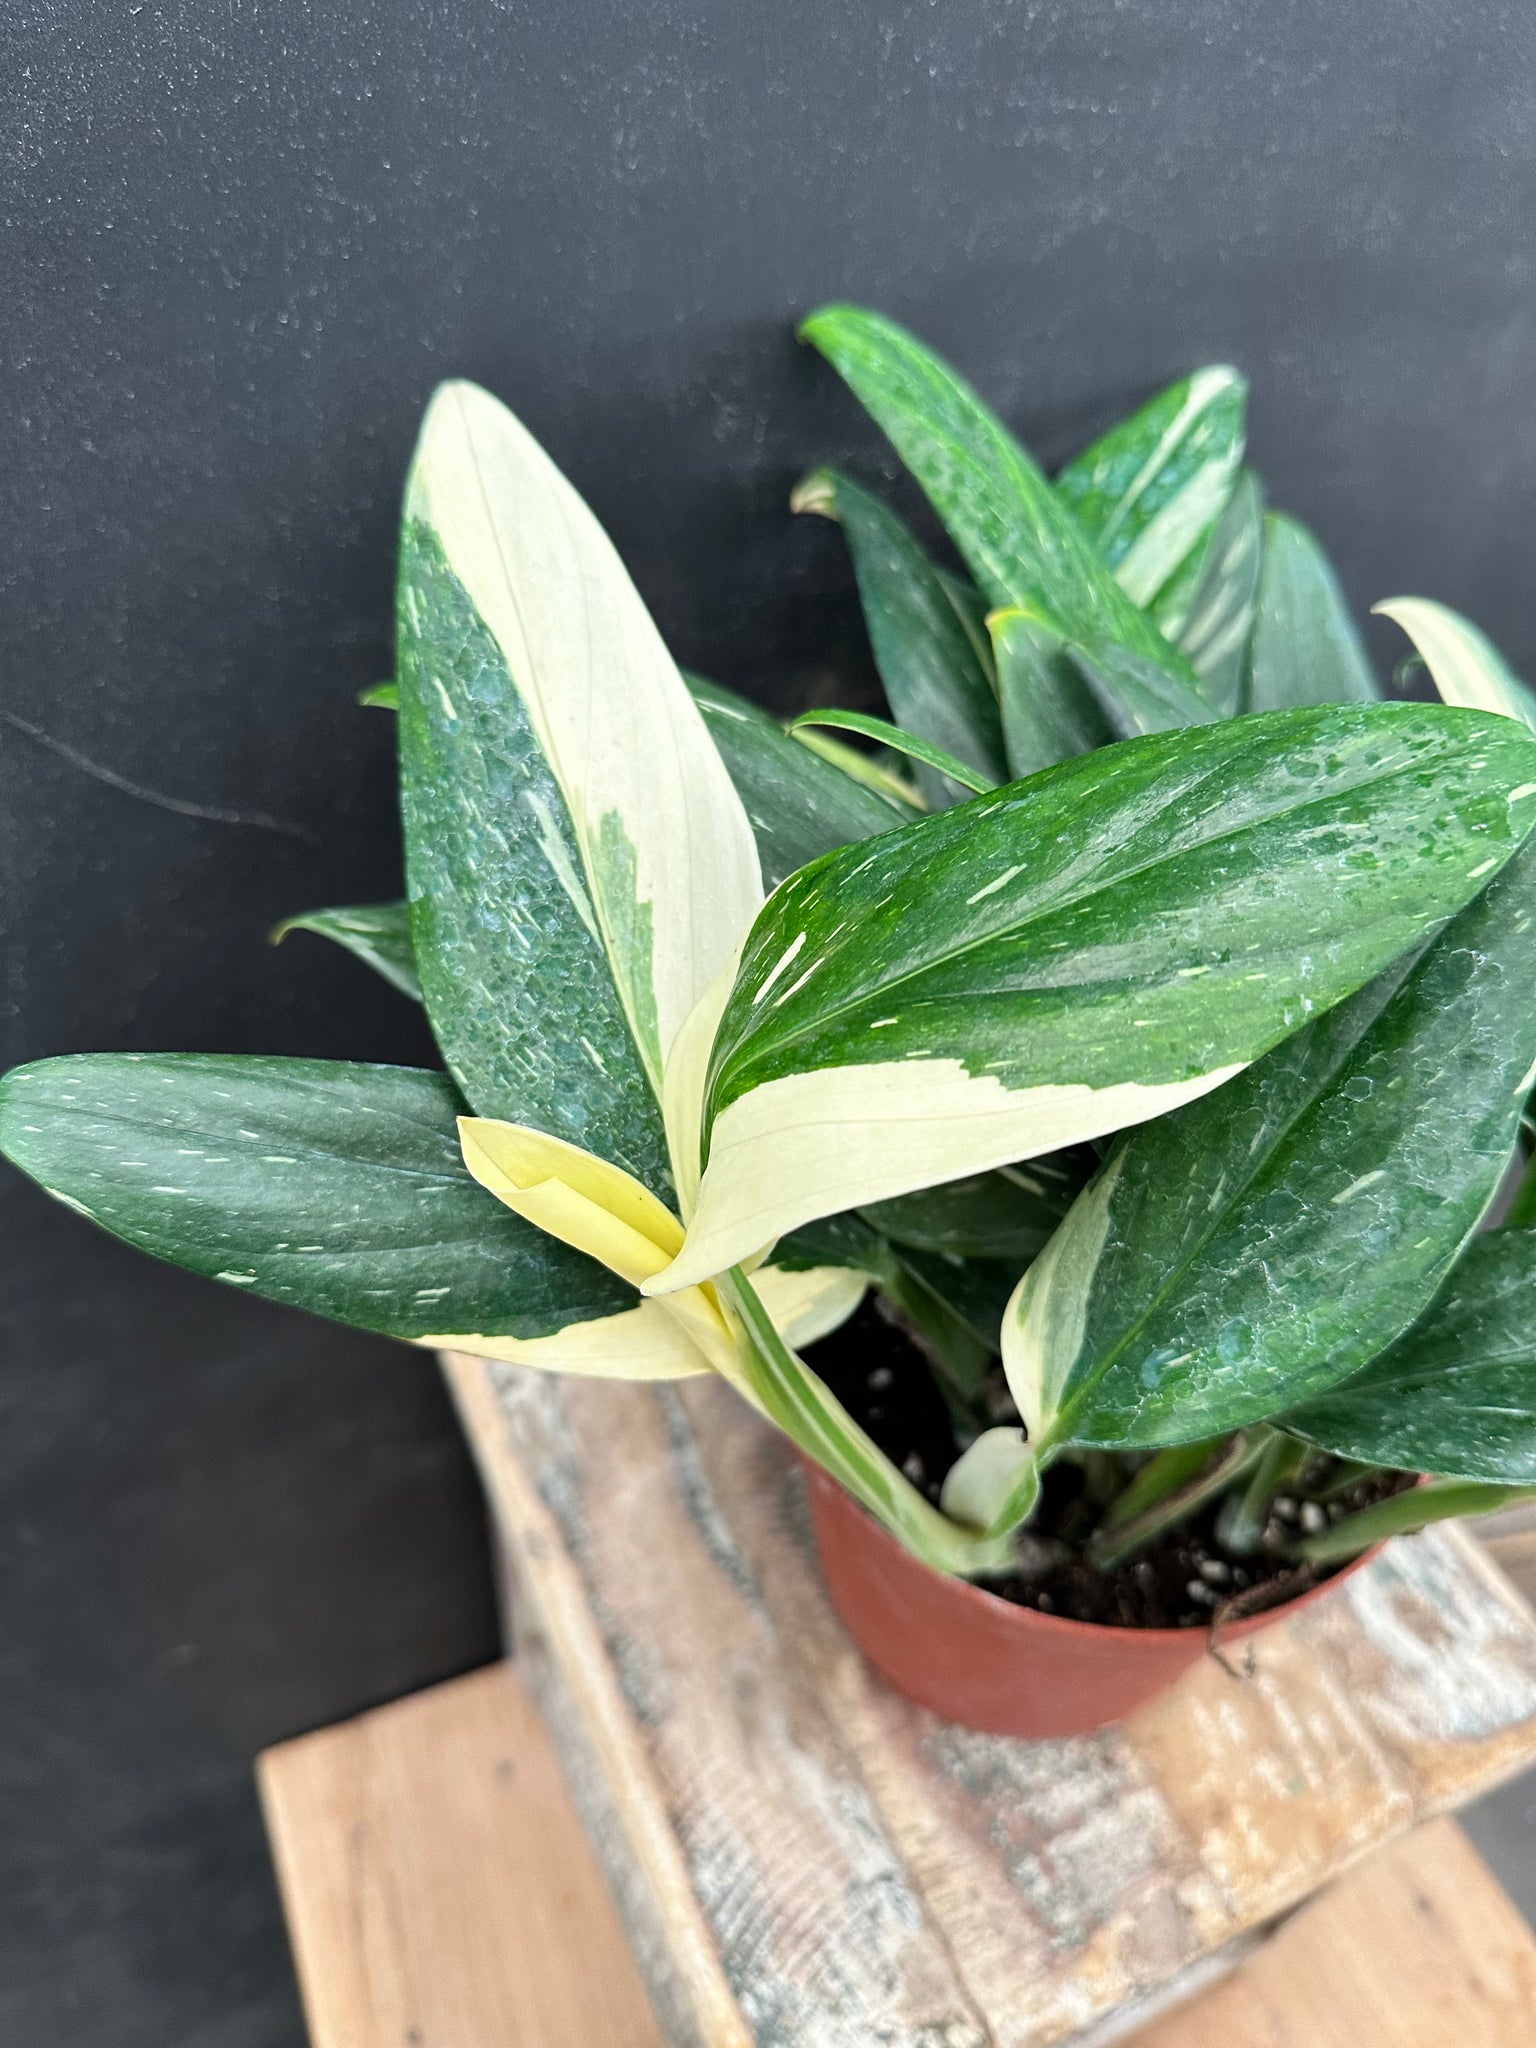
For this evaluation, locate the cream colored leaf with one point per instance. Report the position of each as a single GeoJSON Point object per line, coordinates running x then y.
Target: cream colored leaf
{"type": "Point", "coordinates": [643, 1343]}
{"type": "Point", "coordinates": [812, 1144]}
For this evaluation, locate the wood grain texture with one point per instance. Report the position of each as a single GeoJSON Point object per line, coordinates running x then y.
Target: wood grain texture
{"type": "Point", "coordinates": [441, 1894]}
{"type": "Point", "coordinates": [805, 1858]}
{"type": "Point", "coordinates": [440, 1890]}
{"type": "Point", "coordinates": [1416, 1948]}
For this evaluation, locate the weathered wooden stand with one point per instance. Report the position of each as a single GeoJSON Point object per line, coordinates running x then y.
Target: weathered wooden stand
{"type": "Point", "coordinates": [802, 1860]}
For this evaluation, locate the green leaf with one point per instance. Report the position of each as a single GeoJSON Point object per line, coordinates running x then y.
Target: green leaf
{"type": "Point", "coordinates": [332, 1187]}
{"type": "Point", "coordinates": [799, 805]}
{"type": "Point", "coordinates": [579, 865]}
{"type": "Point", "coordinates": [1255, 1248]}
{"type": "Point", "coordinates": [512, 968]}
{"type": "Point", "coordinates": [1218, 631]}
{"type": "Point", "coordinates": [922, 640]}
{"type": "Point", "coordinates": [1009, 1214]}
{"type": "Point", "coordinates": [378, 933]}
{"type": "Point", "coordinates": [1017, 536]}
{"type": "Point", "coordinates": [875, 771]}
{"type": "Point", "coordinates": [955, 774]}
{"type": "Point", "coordinates": [1305, 649]}
{"type": "Point", "coordinates": [1466, 666]}
{"type": "Point", "coordinates": [974, 1291]}
{"type": "Point", "coordinates": [1049, 711]}
{"type": "Point", "coordinates": [1150, 494]}
{"type": "Point", "coordinates": [1084, 950]}
{"type": "Point", "coordinates": [1456, 1395]}
{"type": "Point", "coordinates": [1441, 1500]}
{"type": "Point", "coordinates": [380, 697]}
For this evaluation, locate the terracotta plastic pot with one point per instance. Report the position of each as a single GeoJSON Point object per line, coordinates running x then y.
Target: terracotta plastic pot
{"type": "Point", "coordinates": [983, 1662]}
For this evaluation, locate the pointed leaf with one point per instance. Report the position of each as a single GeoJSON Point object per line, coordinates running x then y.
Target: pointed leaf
{"type": "Point", "coordinates": [955, 775]}
{"type": "Point", "coordinates": [934, 680]}
{"type": "Point", "coordinates": [1456, 1395]}
{"type": "Point", "coordinates": [1245, 1254]}
{"type": "Point", "coordinates": [799, 805]}
{"type": "Point", "coordinates": [332, 1187]}
{"type": "Point", "coordinates": [1305, 649]}
{"type": "Point", "coordinates": [1466, 666]}
{"type": "Point", "coordinates": [579, 863]}
{"type": "Point", "coordinates": [1151, 492]}
{"type": "Point", "coordinates": [1019, 540]}
{"type": "Point", "coordinates": [1084, 950]}
{"type": "Point", "coordinates": [379, 934]}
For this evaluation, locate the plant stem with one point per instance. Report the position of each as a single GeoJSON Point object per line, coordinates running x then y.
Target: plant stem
{"type": "Point", "coordinates": [1162, 1474]}
{"type": "Point", "coordinates": [1110, 1548]}
{"type": "Point", "coordinates": [811, 1415]}
{"type": "Point", "coordinates": [1244, 1516]}
{"type": "Point", "coordinates": [1351, 1474]}
{"type": "Point", "coordinates": [1413, 1509]}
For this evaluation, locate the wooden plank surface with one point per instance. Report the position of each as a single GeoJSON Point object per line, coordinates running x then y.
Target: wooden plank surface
{"type": "Point", "coordinates": [1417, 1947]}
{"type": "Point", "coordinates": [803, 1860]}
{"type": "Point", "coordinates": [441, 1894]}
{"type": "Point", "coordinates": [439, 1888]}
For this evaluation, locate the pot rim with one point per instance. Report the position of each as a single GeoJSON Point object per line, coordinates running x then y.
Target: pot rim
{"type": "Point", "coordinates": [1010, 1614]}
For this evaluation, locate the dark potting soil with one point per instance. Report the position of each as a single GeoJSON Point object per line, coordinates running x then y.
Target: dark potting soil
{"type": "Point", "coordinates": [1186, 1578]}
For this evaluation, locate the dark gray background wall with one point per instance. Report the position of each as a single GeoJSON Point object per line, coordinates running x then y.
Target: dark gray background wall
{"type": "Point", "coordinates": [242, 240]}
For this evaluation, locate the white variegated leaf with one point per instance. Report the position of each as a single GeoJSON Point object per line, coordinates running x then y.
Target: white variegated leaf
{"type": "Point", "coordinates": [1465, 665]}
{"type": "Point", "coordinates": [1082, 951]}
{"type": "Point", "coordinates": [669, 869]}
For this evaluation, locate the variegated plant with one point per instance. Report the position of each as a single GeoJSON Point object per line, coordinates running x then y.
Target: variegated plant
{"type": "Point", "coordinates": [736, 1023]}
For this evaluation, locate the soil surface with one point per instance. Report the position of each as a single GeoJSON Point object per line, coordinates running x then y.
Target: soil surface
{"type": "Point", "coordinates": [1186, 1578]}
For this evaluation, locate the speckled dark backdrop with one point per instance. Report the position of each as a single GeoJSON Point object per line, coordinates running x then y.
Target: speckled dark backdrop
{"type": "Point", "coordinates": [242, 239]}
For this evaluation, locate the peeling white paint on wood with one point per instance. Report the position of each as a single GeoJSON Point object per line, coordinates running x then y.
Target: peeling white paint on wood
{"type": "Point", "coordinates": [807, 1861]}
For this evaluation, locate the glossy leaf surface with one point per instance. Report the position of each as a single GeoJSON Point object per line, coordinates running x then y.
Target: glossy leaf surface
{"type": "Point", "coordinates": [333, 1187]}
{"type": "Point", "coordinates": [928, 661]}
{"type": "Point", "coordinates": [1150, 493]}
{"type": "Point", "coordinates": [379, 934]}
{"type": "Point", "coordinates": [1254, 1249]}
{"type": "Point", "coordinates": [1456, 1395]}
{"type": "Point", "coordinates": [1080, 952]}
{"type": "Point", "coordinates": [579, 864]}
{"type": "Point", "coordinates": [1305, 647]}
{"type": "Point", "coordinates": [1021, 543]}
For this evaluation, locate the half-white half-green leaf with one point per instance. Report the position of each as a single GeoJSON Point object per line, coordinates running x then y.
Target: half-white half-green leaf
{"type": "Point", "coordinates": [1083, 951]}
{"type": "Point", "coordinates": [580, 865]}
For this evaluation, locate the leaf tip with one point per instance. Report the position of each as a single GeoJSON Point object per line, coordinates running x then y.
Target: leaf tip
{"type": "Point", "coordinates": [816, 492]}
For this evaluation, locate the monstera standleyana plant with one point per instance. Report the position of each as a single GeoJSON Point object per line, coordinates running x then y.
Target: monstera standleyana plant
{"type": "Point", "coordinates": [1185, 1000]}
